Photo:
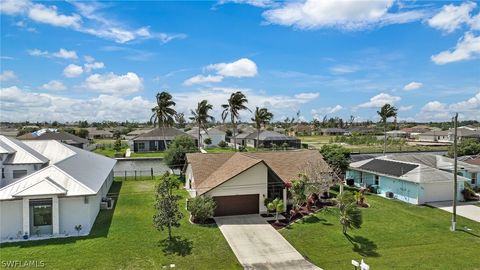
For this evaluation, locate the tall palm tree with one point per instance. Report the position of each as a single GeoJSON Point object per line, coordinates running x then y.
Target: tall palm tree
{"type": "Point", "coordinates": [163, 113]}
{"type": "Point", "coordinates": [261, 117]}
{"type": "Point", "coordinates": [236, 103]}
{"type": "Point", "coordinates": [386, 112]}
{"type": "Point", "coordinates": [349, 214]}
{"type": "Point", "coordinates": [201, 117]}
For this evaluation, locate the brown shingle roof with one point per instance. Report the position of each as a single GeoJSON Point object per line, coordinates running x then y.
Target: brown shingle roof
{"type": "Point", "coordinates": [211, 170]}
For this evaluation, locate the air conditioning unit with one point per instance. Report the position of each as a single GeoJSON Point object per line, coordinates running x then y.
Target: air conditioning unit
{"type": "Point", "coordinates": [389, 194]}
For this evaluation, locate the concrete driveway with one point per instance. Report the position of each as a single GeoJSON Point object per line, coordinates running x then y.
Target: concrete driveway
{"type": "Point", "coordinates": [258, 245]}
{"type": "Point", "coordinates": [467, 210]}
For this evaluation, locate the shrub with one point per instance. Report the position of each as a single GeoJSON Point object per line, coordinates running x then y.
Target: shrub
{"type": "Point", "coordinates": [202, 208]}
{"type": "Point", "coordinates": [222, 144]}
{"type": "Point", "coordinates": [207, 141]}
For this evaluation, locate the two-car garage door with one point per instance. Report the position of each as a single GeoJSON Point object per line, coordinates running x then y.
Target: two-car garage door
{"type": "Point", "coordinates": [237, 205]}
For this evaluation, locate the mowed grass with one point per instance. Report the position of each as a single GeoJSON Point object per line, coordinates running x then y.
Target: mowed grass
{"type": "Point", "coordinates": [394, 235]}
{"type": "Point", "coordinates": [148, 154]}
{"type": "Point", "coordinates": [131, 241]}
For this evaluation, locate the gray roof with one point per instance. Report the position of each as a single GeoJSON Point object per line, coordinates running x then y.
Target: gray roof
{"type": "Point", "coordinates": [434, 161]}
{"type": "Point", "coordinates": [333, 130]}
{"type": "Point", "coordinates": [388, 167]}
{"type": "Point", "coordinates": [214, 131]}
{"type": "Point", "coordinates": [23, 154]}
{"type": "Point", "coordinates": [267, 135]}
{"type": "Point", "coordinates": [167, 133]}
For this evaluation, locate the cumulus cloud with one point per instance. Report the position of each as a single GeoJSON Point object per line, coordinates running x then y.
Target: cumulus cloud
{"type": "Point", "coordinates": [54, 85]}
{"type": "Point", "coordinates": [21, 105]}
{"type": "Point", "coordinates": [72, 71]}
{"type": "Point", "coordinates": [114, 84]}
{"type": "Point", "coordinates": [468, 47]}
{"type": "Point", "coordinates": [37, 52]}
{"type": "Point", "coordinates": [307, 96]}
{"type": "Point", "coordinates": [412, 86]}
{"type": "Point", "coordinates": [7, 75]}
{"type": "Point", "coordinates": [452, 17]}
{"type": "Point", "coordinates": [95, 65]}
{"type": "Point", "coordinates": [12, 7]}
{"type": "Point", "coordinates": [65, 54]}
{"type": "Point", "coordinates": [438, 111]}
{"type": "Point", "coordinates": [342, 14]}
{"type": "Point", "coordinates": [200, 79]}
{"type": "Point", "coordinates": [49, 15]}
{"type": "Point", "coordinates": [320, 112]}
{"type": "Point", "coordinates": [243, 67]}
{"type": "Point", "coordinates": [380, 100]}
{"type": "Point", "coordinates": [405, 108]}
{"type": "Point", "coordinates": [255, 3]}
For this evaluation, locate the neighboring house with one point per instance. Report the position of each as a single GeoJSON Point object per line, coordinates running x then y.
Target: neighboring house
{"type": "Point", "coordinates": [215, 134]}
{"type": "Point", "coordinates": [61, 136]}
{"type": "Point", "coordinates": [333, 131]}
{"type": "Point", "coordinates": [361, 130]}
{"type": "Point", "coordinates": [47, 188]}
{"type": "Point", "coordinates": [9, 132]}
{"type": "Point", "coordinates": [269, 138]}
{"type": "Point", "coordinates": [242, 138]}
{"type": "Point", "coordinates": [94, 133]}
{"type": "Point", "coordinates": [155, 139]}
{"type": "Point", "coordinates": [415, 179]}
{"type": "Point", "coordinates": [240, 182]}
{"type": "Point", "coordinates": [448, 135]}
{"type": "Point", "coordinates": [435, 136]}
{"type": "Point", "coordinates": [134, 133]}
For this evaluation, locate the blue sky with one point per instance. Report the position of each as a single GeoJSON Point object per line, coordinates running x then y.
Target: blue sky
{"type": "Point", "coordinates": [103, 60]}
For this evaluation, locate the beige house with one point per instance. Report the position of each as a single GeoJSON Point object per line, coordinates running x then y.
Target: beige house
{"type": "Point", "coordinates": [240, 182]}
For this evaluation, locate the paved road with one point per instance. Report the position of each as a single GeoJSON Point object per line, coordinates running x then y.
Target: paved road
{"type": "Point", "coordinates": [463, 209]}
{"type": "Point", "coordinates": [258, 245]}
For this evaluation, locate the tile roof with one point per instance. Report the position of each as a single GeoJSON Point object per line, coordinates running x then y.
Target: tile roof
{"type": "Point", "coordinates": [388, 167]}
{"type": "Point", "coordinates": [211, 170]}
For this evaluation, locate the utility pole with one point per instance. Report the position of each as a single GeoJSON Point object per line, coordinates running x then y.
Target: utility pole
{"type": "Point", "coordinates": [454, 212]}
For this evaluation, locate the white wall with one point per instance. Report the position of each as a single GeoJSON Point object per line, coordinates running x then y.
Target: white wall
{"type": "Point", "coordinates": [437, 192]}
{"type": "Point", "coordinates": [73, 211]}
{"type": "Point", "coordinates": [216, 138]}
{"type": "Point", "coordinates": [251, 181]}
{"type": "Point", "coordinates": [10, 218]}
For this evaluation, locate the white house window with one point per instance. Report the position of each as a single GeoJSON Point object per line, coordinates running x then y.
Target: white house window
{"type": "Point", "coordinates": [42, 212]}
{"type": "Point", "coordinates": [141, 146]}
{"type": "Point", "coordinates": [19, 173]}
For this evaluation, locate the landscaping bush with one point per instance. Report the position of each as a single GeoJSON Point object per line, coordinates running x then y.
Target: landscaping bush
{"type": "Point", "coordinates": [207, 141]}
{"type": "Point", "coordinates": [222, 144]}
{"type": "Point", "coordinates": [202, 208]}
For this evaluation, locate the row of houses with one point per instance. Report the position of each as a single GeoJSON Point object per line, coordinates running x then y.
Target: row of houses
{"type": "Point", "coordinates": [155, 139]}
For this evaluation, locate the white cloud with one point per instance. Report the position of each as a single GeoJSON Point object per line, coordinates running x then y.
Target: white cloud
{"type": "Point", "coordinates": [54, 85]}
{"type": "Point", "coordinates": [65, 54]}
{"type": "Point", "coordinates": [468, 47]}
{"type": "Point", "coordinates": [200, 79]}
{"type": "Point", "coordinates": [380, 100]}
{"type": "Point", "coordinates": [475, 22]}
{"type": "Point", "coordinates": [342, 14]}
{"type": "Point", "coordinates": [438, 111]}
{"type": "Point", "coordinates": [20, 105]}
{"type": "Point", "coordinates": [49, 15]}
{"type": "Point", "coordinates": [255, 3]}
{"type": "Point", "coordinates": [452, 17]}
{"type": "Point", "coordinates": [12, 7]}
{"type": "Point", "coordinates": [95, 65]}
{"type": "Point", "coordinates": [88, 59]}
{"type": "Point", "coordinates": [72, 71]}
{"type": "Point", "coordinates": [7, 75]}
{"type": "Point", "coordinates": [114, 84]}
{"type": "Point", "coordinates": [307, 96]}
{"type": "Point", "coordinates": [318, 113]}
{"type": "Point", "coordinates": [412, 86]}
{"type": "Point", "coordinates": [37, 52]}
{"type": "Point", "coordinates": [243, 67]}
{"type": "Point", "coordinates": [342, 69]}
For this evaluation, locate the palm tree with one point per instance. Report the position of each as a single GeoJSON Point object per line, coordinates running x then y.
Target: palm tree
{"type": "Point", "coordinates": [235, 104]}
{"type": "Point", "coordinates": [350, 215]}
{"type": "Point", "coordinates": [163, 113]}
{"type": "Point", "coordinates": [261, 117]}
{"type": "Point", "coordinates": [386, 112]}
{"type": "Point", "coordinates": [201, 117]}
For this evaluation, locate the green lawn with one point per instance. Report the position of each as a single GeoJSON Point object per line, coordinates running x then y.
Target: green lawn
{"type": "Point", "coordinates": [108, 152]}
{"type": "Point", "coordinates": [130, 241]}
{"type": "Point", "coordinates": [219, 150]}
{"type": "Point", "coordinates": [148, 154]}
{"type": "Point", "coordinates": [395, 235]}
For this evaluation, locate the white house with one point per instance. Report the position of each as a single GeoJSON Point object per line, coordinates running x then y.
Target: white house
{"type": "Point", "coordinates": [215, 134]}
{"type": "Point", "coordinates": [240, 182]}
{"type": "Point", "coordinates": [48, 188]}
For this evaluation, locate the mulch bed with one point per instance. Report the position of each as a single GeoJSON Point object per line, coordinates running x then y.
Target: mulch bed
{"type": "Point", "coordinates": [208, 221]}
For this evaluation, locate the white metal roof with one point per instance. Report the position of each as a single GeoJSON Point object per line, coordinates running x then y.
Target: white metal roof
{"type": "Point", "coordinates": [23, 154]}
{"type": "Point", "coordinates": [72, 172]}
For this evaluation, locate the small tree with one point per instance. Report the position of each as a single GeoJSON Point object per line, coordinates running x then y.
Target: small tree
{"type": "Point", "coordinates": [277, 206]}
{"type": "Point", "coordinates": [207, 141]}
{"type": "Point", "coordinates": [349, 214]}
{"type": "Point", "coordinates": [82, 133]}
{"type": "Point", "coordinates": [117, 146]}
{"type": "Point", "coordinates": [78, 228]}
{"type": "Point", "coordinates": [298, 192]}
{"type": "Point", "coordinates": [222, 144]}
{"type": "Point", "coordinates": [202, 208]}
{"type": "Point", "coordinates": [167, 214]}
{"type": "Point", "coordinates": [336, 156]}
{"type": "Point", "coordinates": [175, 154]}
